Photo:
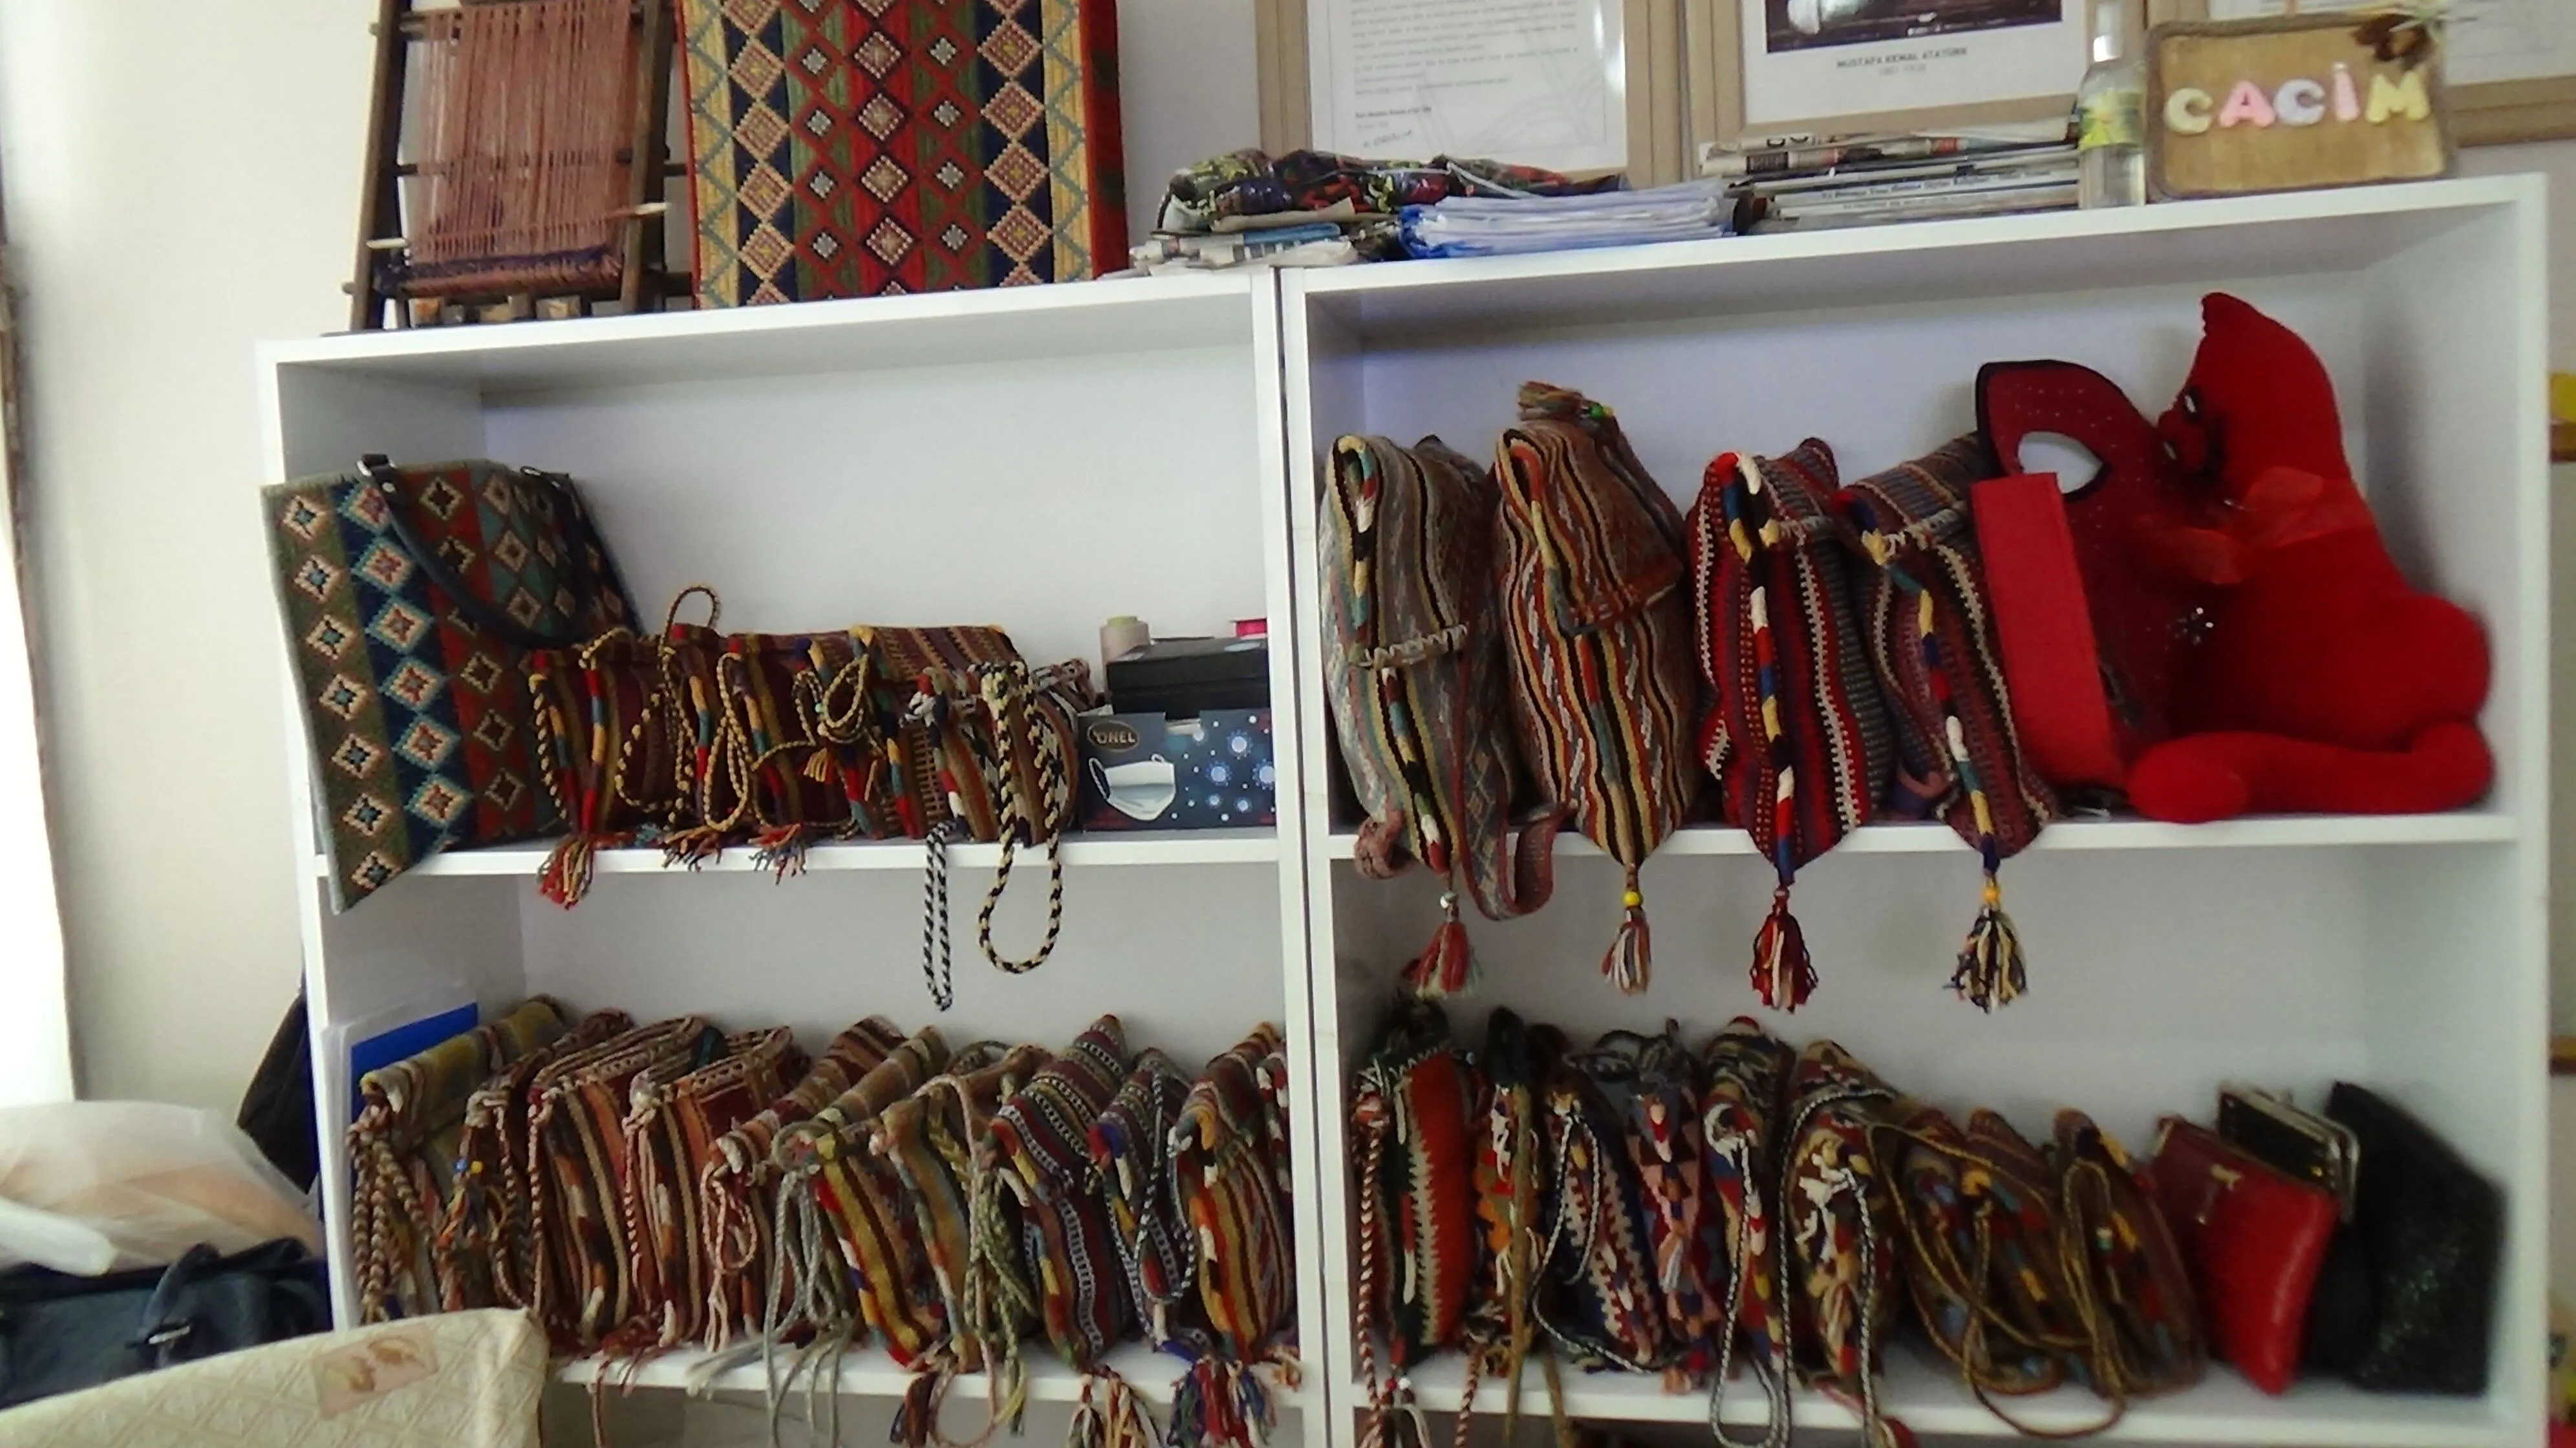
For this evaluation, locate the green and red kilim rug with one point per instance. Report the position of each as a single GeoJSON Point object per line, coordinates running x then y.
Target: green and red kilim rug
{"type": "Point", "coordinates": [844, 148]}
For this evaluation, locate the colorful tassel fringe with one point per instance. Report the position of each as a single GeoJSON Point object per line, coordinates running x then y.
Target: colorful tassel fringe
{"type": "Point", "coordinates": [1782, 974]}
{"type": "Point", "coordinates": [1630, 961]}
{"type": "Point", "coordinates": [1447, 966]}
{"type": "Point", "coordinates": [1990, 970]}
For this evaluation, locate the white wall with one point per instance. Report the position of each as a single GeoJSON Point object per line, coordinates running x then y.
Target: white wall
{"type": "Point", "coordinates": [182, 181]}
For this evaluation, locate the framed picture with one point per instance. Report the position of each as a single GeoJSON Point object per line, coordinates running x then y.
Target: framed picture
{"type": "Point", "coordinates": [1765, 69]}
{"type": "Point", "coordinates": [1580, 86]}
{"type": "Point", "coordinates": [2509, 65]}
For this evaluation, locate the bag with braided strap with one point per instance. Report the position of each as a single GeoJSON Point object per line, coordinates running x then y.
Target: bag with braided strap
{"type": "Point", "coordinates": [2124, 1265]}
{"type": "Point", "coordinates": [1597, 1291]}
{"type": "Point", "coordinates": [612, 747]}
{"type": "Point", "coordinates": [1409, 1117]}
{"type": "Point", "coordinates": [676, 1114]}
{"type": "Point", "coordinates": [1956, 1205]}
{"type": "Point", "coordinates": [1746, 1070]}
{"type": "Point", "coordinates": [1512, 1199]}
{"type": "Point", "coordinates": [488, 1238]}
{"type": "Point", "coordinates": [737, 1185]}
{"type": "Point", "coordinates": [402, 1148]}
{"type": "Point", "coordinates": [1685, 1233]}
{"type": "Point", "coordinates": [1931, 631]}
{"type": "Point", "coordinates": [770, 776]}
{"type": "Point", "coordinates": [1131, 1147]}
{"type": "Point", "coordinates": [1230, 1169]}
{"type": "Point", "coordinates": [585, 1287]}
{"type": "Point", "coordinates": [1838, 1249]}
{"type": "Point", "coordinates": [833, 1181]}
{"type": "Point", "coordinates": [1416, 680]}
{"type": "Point", "coordinates": [1605, 692]}
{"type": "Point", "coordinates": [1798, 737]}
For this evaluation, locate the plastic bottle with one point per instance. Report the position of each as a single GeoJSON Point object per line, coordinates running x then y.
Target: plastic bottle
{"type": "Point", "coordinates": [2110, 145]}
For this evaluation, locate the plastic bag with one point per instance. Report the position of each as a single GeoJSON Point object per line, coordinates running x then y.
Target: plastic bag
{"type": "Point", "coordinates": [99, 1186]}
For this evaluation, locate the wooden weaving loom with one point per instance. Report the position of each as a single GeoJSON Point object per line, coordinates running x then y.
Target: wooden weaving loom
{"type": "Point", "coordinates": [537, 160]}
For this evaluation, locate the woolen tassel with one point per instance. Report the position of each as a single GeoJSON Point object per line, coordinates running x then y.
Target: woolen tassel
{"type": "Point", "coordinates": [1632, 955]}
{"type": "Point", "coordinates": [1447, 966]}
{"type": "Point", "coordinates": [1782, 973]}
{"type": "Point", "coordinates": [693, 846]}
{"type": "Point", "coordinates": [1990, 967]}
{"type": "Point", "coordinates": [782, 850]}
{"type": "Point", "coordinates": [565, 876]}
{"type": "Point", "coordinates": [918, 1413]}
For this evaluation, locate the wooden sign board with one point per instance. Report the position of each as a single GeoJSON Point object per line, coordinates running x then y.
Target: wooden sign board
{"type": "Point", "coordinates": [2290, 105]}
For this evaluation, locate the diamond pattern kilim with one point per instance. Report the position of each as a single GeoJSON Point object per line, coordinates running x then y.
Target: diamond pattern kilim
{"type": "Point", "coordinates": [861, 147]}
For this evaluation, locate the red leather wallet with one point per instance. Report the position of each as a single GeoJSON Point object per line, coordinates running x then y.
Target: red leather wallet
{"type": "Point", "coordinates": [2253, 1237]}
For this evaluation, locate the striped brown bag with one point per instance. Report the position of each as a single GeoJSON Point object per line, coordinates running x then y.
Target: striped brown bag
{"type": "Point", "coordinates": [833, 1185]}
{"type": "Point", "coordinates": [737, 1186]}
{"type": "Point", "coordinates": [1931, 630]}
{"type": "Point", "coordinates": [488, 1240]}
{"type": "Point", "coordinates": [1131, 1146]}
{"type": "Point", "coordinates": [1415, 676]}
{"type": "Point", "coordinates": [1605, 689]}
{"type": "Point", "coordinates": [1230, 1169]}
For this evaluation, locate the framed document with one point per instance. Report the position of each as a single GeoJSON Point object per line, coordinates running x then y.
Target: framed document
{"type": "Point", "coordinates": [2509, 66]}
{"type": "Point", "coordinates": [1763, 69]}
{"type": "Point", "coordinates": [1580, 86]}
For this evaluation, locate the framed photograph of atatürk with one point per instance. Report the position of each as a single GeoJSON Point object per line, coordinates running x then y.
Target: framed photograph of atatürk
{"type": "Point", "coordinates": [2509, 66]}
{"type": "Point", "coordinates": [1795, 70]}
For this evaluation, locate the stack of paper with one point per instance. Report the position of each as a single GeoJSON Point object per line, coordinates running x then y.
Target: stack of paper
{"type": "Point", "coordinates": [1499, 226]}
{"type": "Point", "coordinates": [1867, 181]}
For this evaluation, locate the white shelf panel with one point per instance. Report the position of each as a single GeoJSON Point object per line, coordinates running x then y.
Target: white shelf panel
{"type": "Point", "coordinates": [1145, 847]}
{"type": "Point", "coordinates": [1926, 1395]}
{"type": "Point", "coordinates": [1001, 324]}
{"type": "Point", "coordinates": [2464, 827]}
{"type": "Point", "coordinates": [2311, 233]}
{"type": "Point", "coordinates": [872, 1373]}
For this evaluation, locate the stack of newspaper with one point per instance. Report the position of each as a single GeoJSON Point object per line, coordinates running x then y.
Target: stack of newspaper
{"type": "Point", "coordinates": [1867, 180]}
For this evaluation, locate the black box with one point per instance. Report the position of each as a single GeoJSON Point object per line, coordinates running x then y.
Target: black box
{"type": "Point", "coordinates": [1183, 678]}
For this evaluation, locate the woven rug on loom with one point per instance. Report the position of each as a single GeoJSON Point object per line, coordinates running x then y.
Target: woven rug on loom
{"type": "Point", "coordinates": [842, 148]}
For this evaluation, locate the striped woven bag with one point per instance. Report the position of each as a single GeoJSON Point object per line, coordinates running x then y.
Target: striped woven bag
{"type": "Point", "coordinates": [577, 1153]}
{"type": "Point", "coordinates": [402, 1148]}
{"type": "Point", "coordinates": [488, 1254]}
{"type": "Point", "coordinates": [1418, 1250]}
{"type": "Point", "coordinates": [1839, 1241]}
{"type": "Point", "coordinates": [1131, 1146]}
{"type": "Point", "coordinates": [674, 1118]}
{"type": "Point", "coordinates": [1798, 738]}
{"type": "Point", "coordinates": [835, 1191]}
{"type": "Point", "coordinates": [1932, 635]}
{"type": "Point", "coordinates": [1415, 676]}
{"type": "Point", "coordinates": [737, 1187]}
{"type": "Point", "coordinates": [1685, 1233]}
{"type": "Point", "coordinates": [1597, 1291]}
{"type": "Point", "coordinates": [1512, 1194]}
{"type": "Point", "coordinates": [1591, 559]}
{"type": "Point", "coordinates": [1747, 1073]}
{"type": "Point", "coordinates": [1230, 1168]}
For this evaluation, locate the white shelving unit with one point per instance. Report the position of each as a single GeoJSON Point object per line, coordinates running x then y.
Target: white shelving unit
{"type": "Point", "coordinates": [1036, 458]}
{"type": "Point", "coordinates": [1044, 458]}
{"type": "Point", "coordinates": [2407, 953]}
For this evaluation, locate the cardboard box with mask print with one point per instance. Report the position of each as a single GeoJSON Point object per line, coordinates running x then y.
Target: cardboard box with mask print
{"type": "Point", "coordinates": [1147, 772]}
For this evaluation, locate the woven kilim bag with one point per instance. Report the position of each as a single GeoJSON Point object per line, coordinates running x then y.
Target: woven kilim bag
{"type": "Point", "coordinates": [614, 750]}
{"type": "Point", "coordinates": [1798, 738]}
{"type": "Point", "coordinates": [412, 598]}
{"type": "Point", "coordinates": [1597, 1293]}
{"type": "Point", "coordinates": [1512, 1199]}
{"type": "Point", "coordinates": [1414, 673]}
{"type": "Point", "coordinates": [577, 1155]}
{"type": "Point", "coordinates": [1839, 1243]}
{"type": "Point", "coordinates": [1024, 739]}
{"type": "Point", "coordinates": [832, 1180]}
{"type": "Point", "coordinates": [1685, 1231]}
{"type": "Point", "coordinates": [1747, 1069]}
{"type": "Point", "coordinates": [488, 1241]}
{"type": "Point", "coordinates": [675, 1116]}
{"type": "Point", "coordinates": [1067, 1266]}
{"type": "Point", "coordinates": [770, 776]}
{"type": "Point", "coordinates": [851, 148]}
{"type": "Point", "coordinates": [1230, 1169]}
{"type": "Point", "coordinates": [402, 1148]}
{"type": "Point", "coordinates": [737, 1187]}
{"type": "Point", "coordinates": [1604, 691]}
{"type": "Point", "coordinates": [2126, 1268]}
{"type": "Point", "coordinates": [1409, 1123]}
{"type": "Point", "coordinates": [1131, 1147]}
{"type": "Point", "coordinates": [1932, 634]}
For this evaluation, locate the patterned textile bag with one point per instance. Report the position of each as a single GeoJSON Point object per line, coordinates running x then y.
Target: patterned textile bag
{"type": "Point", "coordinates": [487, 1241]}
{"type": "Point", "coordinates": [832, 1180]}
{"type": "Point", "coordinates": [1932, 633]}
{"type": "Point", "coordinates": [1798, 738]}
{"type": "Point", "coordinates": [1747, 1070]}
{"type": "Point", "coordinates": [855, 148]}
{"type": "Point", "coordinates": [1030, 758]}
{"type": "Point", "coordinates": [613, 746]}
{"type": "Point", "coordinates": [675, 1116]}
{"type": "Point", "coordinates": [1416, 681]}
{"type": "Point", "coordinates": [1512, 1196]}
{"type": "Point", "coordinates": [1417, 1202]}
{"type": "Point", "coordinates": [737, 1187]}
{"type": "Point", "coordinates": [2127, 1271]}
{"type": "Point", "coordinates": [1685, 1233]}
{"type": "Point", "coordinates": [932, 1137]}
{"type": "Point", "coordinates": [1597, 1293]}
{"type": "Point", "coordinates": [402, 1148]}
{"type": "Point", "coordinates": [1591, 557]}
{"type": "Point", "coordinates": [769, 776]}
{"type": "Point", "coordinates": [1131, 1147]}
{"type": "Point", "coordinates": [1230, 1170]}
{"type": "Point", "coordinates": [411, 599]}
{"type": "Point", "coordinates": [1838, 1250]}
{"type": "Point", "coordinates": [1043, 1181]}
{"type": "Point", "coordinates": [904, 697]}
{"type": "Point", "coordinates": [577, 1154]}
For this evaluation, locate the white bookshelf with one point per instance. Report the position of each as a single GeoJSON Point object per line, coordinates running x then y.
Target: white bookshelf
{"type": "Point", "coordinates": [1044, 458]}
{"type": "Point", "coordinates": [2407, 953]}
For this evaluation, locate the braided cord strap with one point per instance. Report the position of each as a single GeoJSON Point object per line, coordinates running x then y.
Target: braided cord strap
{"type": "Point", "coordinates": [1022, 734]}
